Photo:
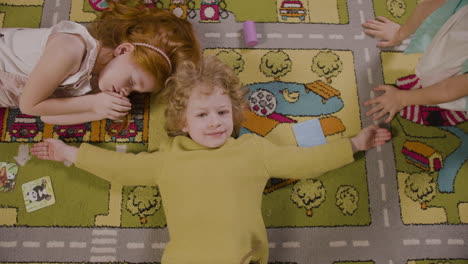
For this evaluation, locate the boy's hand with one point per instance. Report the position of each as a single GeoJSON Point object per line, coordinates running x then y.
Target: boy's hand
{"type": "Point", "coordinates": [111, 105]}
{"type": "Point", "coordinates": [54, 149]}
{"type": "Point", "coordinates": [370, 137]}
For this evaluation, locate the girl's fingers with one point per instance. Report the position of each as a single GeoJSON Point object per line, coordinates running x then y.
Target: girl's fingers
{"type": "Point", "coordinates": [383, 19]}
{"type": "Point", "coordinates": [374, 110]}
{"type": "Point", "coordinates": [379, 115]}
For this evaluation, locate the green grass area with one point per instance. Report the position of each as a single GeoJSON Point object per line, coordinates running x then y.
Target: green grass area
{"type": "Point", "coordinates": [279, 210]}
{"type": "Point", "coordinates": [380, 9]}
{"type": "Point", "coordinates": [442, 261]}
{"type": "Point", "coordinates": [21, 16]}
{"type": "Point", "coordinates": [79, 196]}
{"type": "Point", "coordinates": [343, 11]}
{"type": "Point", "coordinates": [445, 143]}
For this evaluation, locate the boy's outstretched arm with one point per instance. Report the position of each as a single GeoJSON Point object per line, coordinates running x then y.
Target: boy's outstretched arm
{"type": "Point", "coordinates": [54, 149]}
{"type": "Point", "coordinates": [370, 137]}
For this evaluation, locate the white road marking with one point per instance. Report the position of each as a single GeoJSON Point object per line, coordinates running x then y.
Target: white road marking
{"type": "Point", "coordinates": [378, 148]}
{"type": "Point", "coordinates": [133, 245]}
{"type": "Point", "coordinates": [121, 148]}
{"type": "Point", "coordinates": [360, 243]}
{"type": "Point", "coordinates": [316, 36]}
{"type": "Point", "coordinates": [274, 35]}
{"type": "Point", "coordinates": [55, 18]}
{"type": "Point", "coordinates": [338, 244]}
{"type": "Point", "coordinates": [102, 259]}
{"type": "Point", "coordinates": [410, 242]}
{"type": "Point", "coordinates": [295, 36]}
{"type": "Point", "coordinates": [383, 192]}
{"type": "Point", "coordinates": [233, 35]}
{"type": "Point", "coordinates": [458, 242]}
{"type": "Point", "coordinates": [272, 245]}
{"type": "Point", "coordinates": [55, 244]}
{"type": "Point", "coordinates": [361, 15]}
{"type": "Point", "coordinates": [57, 3]}
{"type": "Point", "coordinates": [390, 261]}
{"type": "Point", "coordinates": [381, 168]}
{"type": "Point", "coordinates": [7, 244]}
{"type": "Point", "coordinates": [103, 241]}
{"type": "Point", "coordinates": [360, 36]}
{"type": "Point", "coordinates": [104, 232]}
{"type": "Point", "coordinates": [291, 244]}
{"type": "Point", "coordinates": [335, 36]}
{"type": "Point", "coordinates": [369, 76]}
{"type": "Point", "coordinates": [385, 217]}
{"type": "Point", "coordinates": [102, 250]}
{"type": "Point", "coordinates": [259, 36]}
{"type": "Point", "coordinates": [31, 244]}
{"type": "Point", "coordinates": [212, 35]}
{"type": "Point", "coordinates": [433, 241]}
{"type": "Point", "coordinates": [158, 245]}
{"type": "Point", "coordinates": [78, 244]}
{"type": "Point", "coordinates": [366, 55]}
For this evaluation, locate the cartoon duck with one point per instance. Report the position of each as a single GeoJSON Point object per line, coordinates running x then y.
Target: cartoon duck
{"type": "Point", "coordinates": [290, 97]}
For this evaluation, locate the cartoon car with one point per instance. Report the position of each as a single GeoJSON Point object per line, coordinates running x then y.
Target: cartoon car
{"type": "Point", "coordinates": [209, 10]}
{"type": "Point", "coordinates": [71, 132]}
{"type": "Point", "coordinates": [292, 9]}
{"type": "Point", "coordinates": [178, 8]}
{"type": "Point", "coordinates": [24, 127]}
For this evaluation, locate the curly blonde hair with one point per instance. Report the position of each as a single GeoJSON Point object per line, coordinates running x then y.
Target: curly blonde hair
{"type": "Point", "coordinates": [210, 73]}
{"type": "Point", "coordinates": [124, 22]}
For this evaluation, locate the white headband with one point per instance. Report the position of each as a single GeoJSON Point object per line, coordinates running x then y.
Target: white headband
{"type": "Point", "coordinates": [157, 50]}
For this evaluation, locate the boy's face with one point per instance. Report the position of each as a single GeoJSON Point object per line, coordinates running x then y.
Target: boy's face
{"type": "Point", "coordinates": [208, 117]}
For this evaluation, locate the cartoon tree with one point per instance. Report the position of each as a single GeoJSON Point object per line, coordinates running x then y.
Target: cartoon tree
{"type": "Point", "coordinates": [347, 199]}
{"type": "Point", "coordinates": [308, 193]}
{"type": "Point", "coordinates": [396, 7]}
{"type": "Point", "coordinates": [144, 201]}
{"type": "Point", "coordinates": [420, 187]}
{"type": "Point", "coordinates": [275, 64]}
{"type": "Point", "coordinates": [327, 64]}
{"type": "Point", "coordinates": [232, 59]}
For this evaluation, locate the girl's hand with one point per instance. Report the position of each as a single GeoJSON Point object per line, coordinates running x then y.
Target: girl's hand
{"type": "Point", "coordinates": [370, 137]}
{"type": "Point", "coordinates": [111, 105]}
{"type": "Point", "coordinates": [390, 103]}
{"type": "Point", "coordinates": [384, 29]}
{"type": "Point", "coordinates": [54, 149]}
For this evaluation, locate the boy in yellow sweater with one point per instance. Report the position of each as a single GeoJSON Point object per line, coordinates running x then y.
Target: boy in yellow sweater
{"type": "Point", "coordinates": [211, 184]}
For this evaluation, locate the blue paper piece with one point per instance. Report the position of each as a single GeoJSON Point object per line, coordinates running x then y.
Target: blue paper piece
{"type": "Point", "coordinates": [309, 133]}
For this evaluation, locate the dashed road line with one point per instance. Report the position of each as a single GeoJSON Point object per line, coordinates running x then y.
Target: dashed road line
{"type": "Point", "coordinates": [31, 244]}
{"type": "Point", "coordinates": [159, 245]}
{"type": "Point", "coordinates": [271, 245]}
{"type": "Point", "coordinates": [134, 245]}
{"type": "Point", "coordinates": [212, 35]}
{"type": "Point", "coordinates": [361, 16]}
{"type": "Point", "coordinates": [101, 250]}
{"type": "Point", "coordinates": [386, 219]}
{"type": "Point", "coordinates": [233, 35]}
{"type": "Point", "coordinates": [8, 244]}
{"type": "Point", "coordinates": [366, 55]}
{"type": "Point", "coordinates": [103, 241]}
{"type": "Point", "coordinates": [360, 36]}
{"type": "Point", "coordinates": [433, 241]}
{"type": "Point", "coordinates": [411, 242]}
{"type": "Point", "coordinates": [102, 259]}
{"type": "Point", "coordinates": [335, 36]}
{"type": "Point", "coordinates": [74, 244]}
{"type": "Point", "coordinates": [274, 35]}
{"type": "Point", "coordinates": [383, 191]}
{"type": "Point", "coordinates": [361, 243]}
{"type": "Point", "coordinates": [295, 36]}
{"type": "Point", "coordinates": [316, 36]}
{"type": "Point", "coordinates": [104, 232]}
{"type": "Point", "coordinates": [369, 76]}
{"type": "Point", "coordinates": [291, 244]}
{"type": "Point", "coordinates": [338, 243]}
{"type": "Point", "coordinates": [55, 244]}
{"type": "Point", "coordinates": [457, 242]}
{"type": "Point", "coordinates": [381, 168]}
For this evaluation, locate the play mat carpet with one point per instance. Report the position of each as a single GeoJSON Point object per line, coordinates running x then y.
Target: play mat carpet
{"type": "Point", "coordinates": [405, 202]}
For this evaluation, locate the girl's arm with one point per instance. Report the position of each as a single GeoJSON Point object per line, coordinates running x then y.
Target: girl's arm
{"type": "Point", "coordinates": [61, 58]}
{"type": "Point", "coordinates": [124, 168]}
{"type": "Point", "coordinates": [393, 100]}
{"type": "Point", "coordinates": [77, 118]}
{"type": "Point", "coordinates": [391, 33]}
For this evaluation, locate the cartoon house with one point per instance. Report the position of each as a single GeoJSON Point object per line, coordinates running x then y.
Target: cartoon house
{"type": "Point", "coordinates": [422, 156]}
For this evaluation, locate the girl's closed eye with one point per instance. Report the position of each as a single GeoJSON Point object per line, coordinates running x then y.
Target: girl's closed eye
{"type": "Point", "coordinates": [223, 112]}
{"type": "Point", "coordinates": [201, 115]}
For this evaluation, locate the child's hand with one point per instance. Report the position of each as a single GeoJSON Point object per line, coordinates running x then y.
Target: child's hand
{"type": "Point", "coordinates": [54, 149]}
{"type": "Point", "coordinates": [111, 105]}
{"type": "Point", "coordinates": [390, 103]}
{"type": "Point", "coordinates": [370, 137]}
{"type": "Point", "coordinates": [384, 29]}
